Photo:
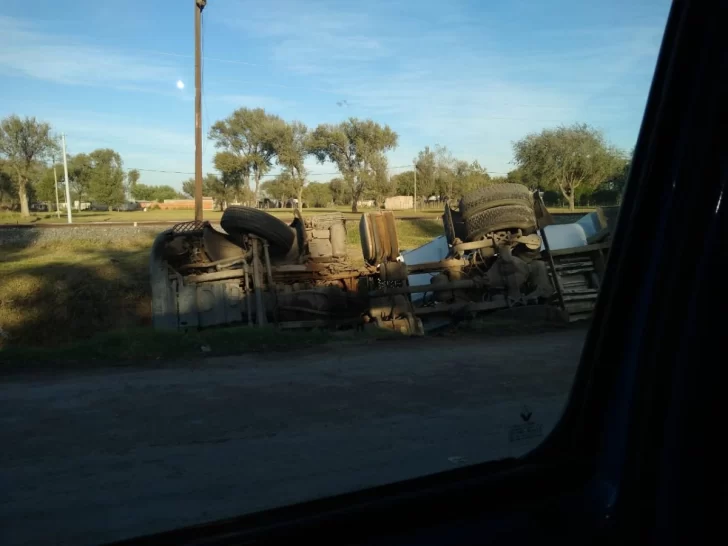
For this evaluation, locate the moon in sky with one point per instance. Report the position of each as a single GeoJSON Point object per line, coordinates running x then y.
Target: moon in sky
{"type": "Point", "coordinates": [180, 84]}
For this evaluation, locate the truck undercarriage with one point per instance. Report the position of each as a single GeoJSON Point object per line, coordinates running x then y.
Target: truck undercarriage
{"type": "Point", "coordinates": [263, 272]}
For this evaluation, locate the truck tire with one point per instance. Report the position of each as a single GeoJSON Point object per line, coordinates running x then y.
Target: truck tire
{"type": "Point", "coordinates": [238, 220]}
{"type": "Point", "coordinates": [493, 196]}
{"type": "Point", "coordinates": [498, 219]}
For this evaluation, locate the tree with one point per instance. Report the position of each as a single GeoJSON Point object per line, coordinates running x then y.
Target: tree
{"type": "Point", "coordinates": [357, 147]}
{"type": "Point", "coordinates": [144, 192]}
{"type": "Point", "coordinates": [188, 188]}
{"type": "Point", "coordinates": [132, 177]}
{"type": "Point", "coordinates": [340, 191]}
{"type": "Point", "coordinates": [469, 177]}
{"type": "Point", "coordinates": [445, 165]}
{"type": "Point", "coordinates": [243, 195]}
{"type": "Point", "coordinates": [317, 194]}
{"type": "Point", "coordinates": [568, 159]}
{"type": "Point", "coordinates": [23, 143]}
{"type": "Point", "coordinates": [282, 187]}
{"type": "Point", "coordinates": [235, 175]}
{"type": "Point", "coordinates": [80, 171]}
{"type": "Point", "coordinates": [45, 187]}
{"type": "Point", "coordinates": [618, 181]}
{"type": "Point", "coordinates": [233, 181]}
{"type": "Point", "coordinates": [8, 190]}
{"type": "Point", "coordinates": [519, 176]}
{"type": "Point", "coordinates": [291, 145]}
{"type": "Point", "coordinates": [106, 184]}
{"type": "Point", "coordinates": [404, 183]}
{"type": "Point", "coordinates": [426, 168]}
{"type": "Point", "coordinates": [215, 187]}
{"type": "Point", "coordinates": [247, 136]}
{"type": "Point", "coordinates": [379, 186]}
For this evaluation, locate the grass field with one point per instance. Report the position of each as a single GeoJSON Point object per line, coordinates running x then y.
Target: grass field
{"type": "Point", "coordinates": [58, 293]}
{"type": "Point", "coordinates": [185, 215]}
{"type": "Point", "coordinates": [174, 215]}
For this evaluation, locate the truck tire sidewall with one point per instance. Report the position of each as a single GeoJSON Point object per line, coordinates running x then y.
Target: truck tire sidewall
{"type": "Point", "coordinates": [238, 220]}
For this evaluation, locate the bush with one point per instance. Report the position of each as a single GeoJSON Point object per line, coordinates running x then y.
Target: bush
{"type": "Point", "coordinates": [552, 198]}
{"type": "Point", "coordinates": [605, 197]}
{"type": "Point", "coordinates": [155, 207]}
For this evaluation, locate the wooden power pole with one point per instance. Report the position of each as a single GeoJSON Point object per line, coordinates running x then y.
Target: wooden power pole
{"type": "Point", "coordinates": [199, 6]}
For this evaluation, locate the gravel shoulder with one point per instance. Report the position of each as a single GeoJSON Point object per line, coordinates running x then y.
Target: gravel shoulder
{"type": "Point", "coordinates": [96, 457]}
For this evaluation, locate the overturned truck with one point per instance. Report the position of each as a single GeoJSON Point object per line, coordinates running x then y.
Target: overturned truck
{"type": "Point", "coordinates": [262, 271]}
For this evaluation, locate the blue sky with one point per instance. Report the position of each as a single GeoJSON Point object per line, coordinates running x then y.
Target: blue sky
{"type": "Point", "coordinates": [473, 76]}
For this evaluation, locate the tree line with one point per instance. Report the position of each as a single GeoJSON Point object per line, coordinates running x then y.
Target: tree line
{"type": "Point", "coordinates": [251, 142]}
{"type": "Point", "coordinates": [568, 163]}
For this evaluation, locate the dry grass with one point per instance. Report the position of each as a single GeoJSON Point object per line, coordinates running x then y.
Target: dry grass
{"type": "Point", "coordinates": [175, 215]}
{"type": "Point", "coordinates": [56, 293]}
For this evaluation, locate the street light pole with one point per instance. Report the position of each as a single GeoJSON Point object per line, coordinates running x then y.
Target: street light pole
{"type": "Point", "coordinates": [199, 6]}
{"type": "Point", "coordinates": [55, 179]}
{"type": "Point", "coordinates": [415, 198]}
{"type": "Point", "coordinates": [68, 185]}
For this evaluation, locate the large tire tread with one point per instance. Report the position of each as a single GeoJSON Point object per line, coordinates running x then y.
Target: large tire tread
{"type": "Point", "coordinates": [495, 195]}
{"type": "Point", "coordinates": [498, 219]}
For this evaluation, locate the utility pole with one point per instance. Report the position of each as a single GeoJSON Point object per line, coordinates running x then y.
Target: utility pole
{"type": "Point", "coordinates": [199, 6]}
{"type": "Point", "coordinates": [55, 179]}
{"type": "Point", "coordinates": [68, 184]}
{"type": "Point", "coordinates": [415, 198]}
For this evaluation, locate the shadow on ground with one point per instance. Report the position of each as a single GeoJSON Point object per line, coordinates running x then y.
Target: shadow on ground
{"type": "Point", "coordinates": [52, 294]}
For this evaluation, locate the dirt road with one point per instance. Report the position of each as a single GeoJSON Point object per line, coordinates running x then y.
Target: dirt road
{"type": "Point", "coordinates": [90, 458]}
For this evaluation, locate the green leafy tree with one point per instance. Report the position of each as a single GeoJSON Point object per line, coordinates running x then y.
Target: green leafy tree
{"type": "Point", "coordinates": [618, 181]}
{"type": "Point", "coordinates": [215, 187]}
{"type": "Point", "coordinates": [8, 189]}
{"type": "Point", "coordinates": [568, 159]}
{"type": "Point", "coordinates": [426, 167]}
{"type": "Point", "coordinates": [519, 176]}
{"type": "Point", "coordinates": [132, 178]}
{"type": "Point", "coordinates": [445, 176]}
{"type": "Point", "coordinates": [247, 135]}
{"type": "Point", "coordinates": [340, 191]}
{"type": "Point", "coordinates": [469, 177]}
{"type": "Point", "coordinates": [404, 183]}
{"type": "Point", "coordinates": [233, 180]}
{"type": "Point", "coordinates": [243, 195]}
{"type": "Point", "coordinates": [317, 194]}
{"type": "Point", "coordinates": [144, 192]}
{"type": "Point", "coordinates": [379, 186]}
{"type": "Point", "coordinates": [282, 187]}
{"type": "Point", "coordinates": [291, 144]}
{"type": "Point", "coordinates": [357, 148]}
{"type": "Point", "coordinates": [80, 170]}
{"type": "Point", "coordinates": [106, 184]}
{"type": "Point", "coordinates": [188, 188]}
{"type": "Point", "coordinates": [166, 192]}
{"type": "Point", "coordinates": [23, 143]}
{"type": "Point", "coordinates": [45, 187]}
